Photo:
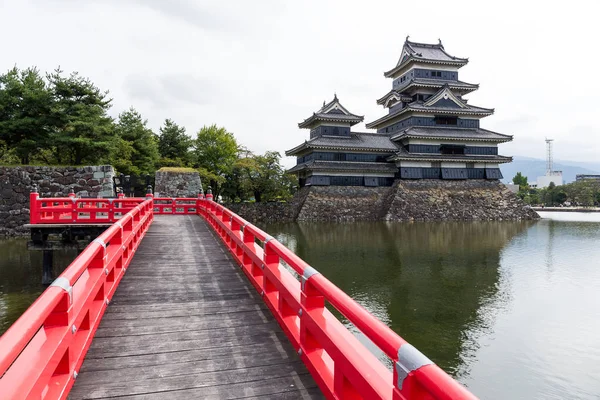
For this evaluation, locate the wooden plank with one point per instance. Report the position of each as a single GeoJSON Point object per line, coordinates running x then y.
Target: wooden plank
{"type": "Point", "coordinates": [185, 323]}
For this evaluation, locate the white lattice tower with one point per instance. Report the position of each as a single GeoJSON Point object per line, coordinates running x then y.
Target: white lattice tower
{"type": "Point", "coordinates": [549, 161]}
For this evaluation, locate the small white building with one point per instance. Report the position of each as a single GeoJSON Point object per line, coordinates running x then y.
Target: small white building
{"type": "Point", "coordinates": [553, 176]}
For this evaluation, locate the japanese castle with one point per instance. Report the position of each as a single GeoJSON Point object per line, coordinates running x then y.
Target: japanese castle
{"type": "Point", "coordinates": [430, 130]}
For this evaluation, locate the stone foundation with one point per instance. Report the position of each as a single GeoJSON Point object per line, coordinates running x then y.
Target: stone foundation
{"type": "Point", "coordinates": [177, 184]}
{"type": "Point", "coordinates": [440, 200]}
{"type": "Point", "coordinates": [17, 182]}
{"type": "Point", "coordinates": [344, 203]}
{"type": "Point", "coordinates": [419, 200]}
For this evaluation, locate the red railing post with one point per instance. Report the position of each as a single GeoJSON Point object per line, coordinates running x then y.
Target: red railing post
{"type": "Point", "coordinates": [199, 203]}
{"type": "Point", "coordinates": [74, 209]}
{"type": "Point", "coordinates": [34, 206]}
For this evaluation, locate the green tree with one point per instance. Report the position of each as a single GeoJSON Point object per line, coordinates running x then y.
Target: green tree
{"type": "Point", "coordinates": [25, 103]}
{"type": "Point", "coordinates": [264, 176]}
{"type": "Point", "coordinates": [138, 152]}
{"type": "Point", "coordinates": [215, 151]}
{"type": "Point", "coordinates": [520, 180]}
{"type": "Point", "coordinates": [174, 145]}
{"type": "Point", "coordinates": [82, 131]}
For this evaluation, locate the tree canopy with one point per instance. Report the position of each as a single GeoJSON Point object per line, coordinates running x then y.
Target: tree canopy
{"type": "Point", "coordinates": [174, 145]}
{"type": "Point", "coordinates": [139, 144]}
{"type": "Point", "coordinates": [216, 151]}
{"type": "Point", "coordinates": [520, 180]}
{"type": "Point", "coordinates": [58, 118]}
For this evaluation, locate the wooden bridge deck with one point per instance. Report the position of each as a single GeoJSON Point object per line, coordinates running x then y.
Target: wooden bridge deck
{"type": "Point", "coordinates": [186, 324]}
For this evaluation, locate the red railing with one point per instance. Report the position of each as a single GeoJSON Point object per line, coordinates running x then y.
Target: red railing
{"type": "Point", "coordinates": [72, 210]}
{"type": "Point", "coordinates": [42, 351]}
{"type": "Point", "coordinates": [179, 205]}
{"type": "Point", "coordinates": [340, 364]}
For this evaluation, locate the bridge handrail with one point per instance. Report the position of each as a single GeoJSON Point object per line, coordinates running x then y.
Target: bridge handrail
{"type": "Point", "coordinates": [340, 364]}
{"type": "Point", "coordinates": [42, 351]}
{"type": "Point", "coordinates": [74, 210]}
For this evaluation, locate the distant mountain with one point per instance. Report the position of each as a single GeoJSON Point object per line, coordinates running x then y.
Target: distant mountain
{"type": "Point", "coordinates": [534, 167]}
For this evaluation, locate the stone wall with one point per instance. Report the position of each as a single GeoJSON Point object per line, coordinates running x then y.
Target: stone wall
{"type": "Point", "coordinates": [177, 184]}
{"type": "Point", "coordinates": [422, 200]}
{"type": "Point", "coordinates": [271, 212]}
{"type": "Point", "coordinates": [344, 203]}
{"type": "Point", "coordinates": [17, 182]}
{"type": "Point", "coordinates": [440, 200]}
{"type": "Point", "coordinates": [263, 212]}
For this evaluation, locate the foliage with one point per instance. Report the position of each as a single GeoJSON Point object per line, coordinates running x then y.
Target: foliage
{"type": "Point", "coordinates": [184, 170]}
{"type": "Point", "coordinates": [215, 153]}
{"type": "Point", "coordinates": [520, 180]}
{"type": "Point", "coordinates": [263, 176]}
{"type": "Point", "coordinates": [25, 103]}
{"type": "Point", "coordinates": [81, 130]}
{"type": "Point", "coordinates": [174, 145]}
{"type": "Point", "coordinates": [62, 119]}
{"type": "Point", "coordinates": [142, 156]}
{"type": "Point", "coordinates": [582, 193]}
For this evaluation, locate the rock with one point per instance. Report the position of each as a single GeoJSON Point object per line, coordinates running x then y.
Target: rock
{"type": "Point", "coordinates": [177, 184]}
{"type": "Point", "coordinates": [17, 182]}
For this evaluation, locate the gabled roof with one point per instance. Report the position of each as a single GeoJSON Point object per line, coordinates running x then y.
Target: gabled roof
{"type": "Point", "coordinates": [424, 52]}
{"type": "Point", "coordinates": [459, 86]}
{"type": "Point", "coordinates": [357, 141]}
{"type": "Point", "coordinates": [332, 112]}
{"type": "Point", "coordinates": [446, 132]}
{"type": "Point", "coordinates": [448, 107]}
{"type": "Point", "coordinates": [445, 98]}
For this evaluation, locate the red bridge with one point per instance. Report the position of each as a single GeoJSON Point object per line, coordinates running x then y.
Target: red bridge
{"type": "Point", "coordinates": [183, 299]}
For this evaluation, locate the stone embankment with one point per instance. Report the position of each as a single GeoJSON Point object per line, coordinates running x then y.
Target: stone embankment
{"type": "Point", "coordinates": [17, 182]}
{"type": "Point", "coordinates": [423, 200]}
{"type": "Point", "coordinates": [480, 200]}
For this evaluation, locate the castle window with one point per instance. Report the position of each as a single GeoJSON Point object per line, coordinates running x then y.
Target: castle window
{"type": "Point", "coordinates": [446, 120]}
{"type": "Point", "coordinates": [452, 149]}
{"type": "Point", "coordinates": [436, 74]}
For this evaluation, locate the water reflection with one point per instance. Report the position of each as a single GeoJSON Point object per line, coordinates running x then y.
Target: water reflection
{"type": "Point", "coordinates": [425, 280]}
{"type": "Point", "coordinates": [21, 277]}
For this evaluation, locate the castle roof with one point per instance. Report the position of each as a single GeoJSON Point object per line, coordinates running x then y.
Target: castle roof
{"type": "Point", "coordinates": [443, 102]}
{"type": "Point", "coordinates": [331, 112]}
{"type": "Point", "coordinates": [344, 166]}
{"type": "Point", "coordinates": [426, 53]}
{"type": "Point", "coordinates": [357, 141]}
{"type": "Point", "coordinates": [402, 154]}
{"type": "Point", "coordinates": [445, 132]}
{"type": "Point", "coordinates": [459, 86]}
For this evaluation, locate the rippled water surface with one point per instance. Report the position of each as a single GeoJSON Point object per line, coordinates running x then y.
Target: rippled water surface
{"type": "Point", "coordinates": [510, 309]}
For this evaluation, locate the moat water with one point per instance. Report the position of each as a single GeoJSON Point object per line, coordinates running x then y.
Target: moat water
{"type": "Point", "coordinates": [512, 310]}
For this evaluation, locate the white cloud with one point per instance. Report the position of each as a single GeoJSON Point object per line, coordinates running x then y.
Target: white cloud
{"type": "Point", "coordinates": [258, 68]}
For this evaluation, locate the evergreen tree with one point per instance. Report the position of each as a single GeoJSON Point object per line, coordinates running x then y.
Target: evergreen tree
{"type": "Point", "coordinates": [25, 103]}
{"type": "Point", "coordinates": [82, 130]}
{"type": "Point", "coordinates": [137, 151]}
{"type": "Point", "coordinates": [174, 145]}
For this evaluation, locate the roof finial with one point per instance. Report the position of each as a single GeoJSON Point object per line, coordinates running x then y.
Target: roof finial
{"type": "Point", "coordinates": [334, 96]}
{"type": "Point", "coordinates": [407, 37]}
{"type": "Point", "coordinates": [323, 103]}
{"type": "Point", "coordinates": [440, 42]}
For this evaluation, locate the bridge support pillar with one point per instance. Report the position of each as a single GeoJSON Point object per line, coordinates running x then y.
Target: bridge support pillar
{"type": "Point", "coordinates": [47, 267]}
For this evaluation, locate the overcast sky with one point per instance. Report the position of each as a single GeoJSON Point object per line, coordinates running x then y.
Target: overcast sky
{"type": "Point", "coordinates": [260, 67]}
